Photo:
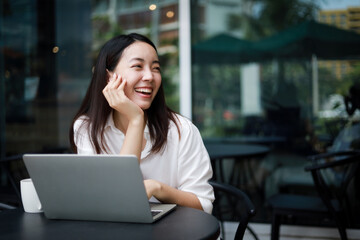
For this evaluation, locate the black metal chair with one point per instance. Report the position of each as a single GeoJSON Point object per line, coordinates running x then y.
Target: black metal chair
{"type": "Point", "coordinates": [13, 169]}
{"type": "Point", "coordinates": [231, 200]}
{"type": "Point", "coordinates": [332, 202]}
{"type": "Point", "coordinates": [4, 206]}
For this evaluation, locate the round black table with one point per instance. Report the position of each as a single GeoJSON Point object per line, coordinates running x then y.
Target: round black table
{"type": "Point", "coordinates": [220, 150]}
{"type": "Point", "coordinates": [240, 153]}
{"type": "Point", "coordinates": [251, 139]}
{"type": "Point", "coordinates": [182, 223]}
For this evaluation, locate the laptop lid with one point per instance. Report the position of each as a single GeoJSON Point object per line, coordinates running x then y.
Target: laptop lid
{"type": "Point", "coordinates": [91, 187]}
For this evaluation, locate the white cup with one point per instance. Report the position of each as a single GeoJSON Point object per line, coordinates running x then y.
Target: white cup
{"type": "Point", "coordinates": [29, 197]}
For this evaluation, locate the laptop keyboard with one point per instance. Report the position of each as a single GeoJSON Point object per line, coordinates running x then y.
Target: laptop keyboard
{"type": "Point", "coordinates": [155, 212]}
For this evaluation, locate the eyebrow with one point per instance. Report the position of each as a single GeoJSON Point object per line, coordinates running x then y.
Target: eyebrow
{"type": "Point", "coordinates": [142, 60]}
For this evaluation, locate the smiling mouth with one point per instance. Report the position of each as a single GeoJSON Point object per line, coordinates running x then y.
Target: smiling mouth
{"type": "Point", "coordinates": [146, 91]}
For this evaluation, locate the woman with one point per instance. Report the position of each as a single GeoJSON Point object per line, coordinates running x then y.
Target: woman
{"type": "Point", "coordinates": [124, 112]}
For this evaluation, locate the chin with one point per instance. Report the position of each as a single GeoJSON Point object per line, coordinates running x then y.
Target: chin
{"type": "Point", "coordinates": [144, 106]}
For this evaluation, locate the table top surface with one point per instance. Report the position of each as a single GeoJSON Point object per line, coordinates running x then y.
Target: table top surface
{"type": "Point", "coordinates": [182, 223]}
{"type": "Point", "coordinates": [250, 139]}
{"type": "Point", "coordinates": [220, 150]}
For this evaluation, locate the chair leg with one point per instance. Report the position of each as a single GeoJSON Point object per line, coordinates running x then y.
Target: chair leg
{"type": "Point", "coordinates": [340, 223]}
{"type": "Point", "coordinates": [252, 232]}
{"type": "Point", "coordinates": [342, 232]}
{"type": "Point", "coordinates": [275, 227]}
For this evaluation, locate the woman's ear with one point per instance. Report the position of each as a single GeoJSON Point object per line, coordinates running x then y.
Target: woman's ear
{"type": "Point", "coordinates": [109, 75]}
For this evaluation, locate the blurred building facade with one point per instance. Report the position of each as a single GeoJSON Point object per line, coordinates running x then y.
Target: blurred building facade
{"type": "Point", "coordinates": [349, 19]}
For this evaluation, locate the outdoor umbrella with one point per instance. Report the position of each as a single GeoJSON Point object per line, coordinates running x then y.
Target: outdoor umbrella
{"type": "Point", "coordinates": [298, 42]}
{"type": "Point", "coordinates": [224, 49]}
{"type": "Point", "coordinates": [307, 40]}
{"type": "Point", "coordinates": [311, 38]}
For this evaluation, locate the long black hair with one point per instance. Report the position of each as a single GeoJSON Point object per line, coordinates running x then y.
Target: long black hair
{"type": "Point", "coordinates": [97, 110]}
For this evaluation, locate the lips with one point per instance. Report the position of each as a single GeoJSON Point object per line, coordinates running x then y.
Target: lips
{"type": "Point", "coordinates": [146, 91]}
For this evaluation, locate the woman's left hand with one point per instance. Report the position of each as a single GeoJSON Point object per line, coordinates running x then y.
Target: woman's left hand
{"type": "Point", "coordinates": [166, 194]}
{"type": "Point", "coordinates": [151, 187]}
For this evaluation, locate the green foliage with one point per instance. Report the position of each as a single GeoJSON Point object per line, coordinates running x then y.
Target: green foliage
{"type": "Point", "coordinates": [170, 87]}
{"type": "Point", "coordinates": [217, 93]}
{"type": "Point", "coordinates": [266, 17]}
{"type": "Point", "coordinates": [276, 15]}
{"type": "Point", "coordinates": [327, 84]}
{"type": "Point", "coordinates": [103, 30]}
{"type": "Point", "coordinates": [170, 70]}
{"type": "Point", "coordinates": [352, 78]}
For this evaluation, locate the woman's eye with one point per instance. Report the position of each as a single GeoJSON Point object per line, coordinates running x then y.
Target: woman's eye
{"type": "Point", "coordinates": [157, 69]}
{"type": "Point", "coordinates": [136, 66]}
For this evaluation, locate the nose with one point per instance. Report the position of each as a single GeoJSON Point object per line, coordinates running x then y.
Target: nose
{"type": "Point", "coordinates": [148, 74]}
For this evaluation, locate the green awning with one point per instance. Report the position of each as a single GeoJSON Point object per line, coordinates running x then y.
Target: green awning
{"type": "Point", "coordinates": [312, 38]}
{"type": "Point", "coordinates": [299, 42]}
{"type": "Point", "coordinates": [224, 48]}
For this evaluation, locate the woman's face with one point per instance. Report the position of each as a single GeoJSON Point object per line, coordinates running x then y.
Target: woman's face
{"type": "Point", "coordinates": [139, 66]}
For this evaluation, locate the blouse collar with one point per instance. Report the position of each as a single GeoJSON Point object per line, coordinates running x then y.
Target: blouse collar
{"type": "Point", "coordinates": [147, 150]}
{"type": "Point", "coordinates": [110, 123]}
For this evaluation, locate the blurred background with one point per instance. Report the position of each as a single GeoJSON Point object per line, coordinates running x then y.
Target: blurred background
{"type": "Point", "coordinates": [269, 72]}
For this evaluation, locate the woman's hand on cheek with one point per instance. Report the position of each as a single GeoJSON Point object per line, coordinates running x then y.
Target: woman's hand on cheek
{"type": "Point", "coordinates": [115, 96]}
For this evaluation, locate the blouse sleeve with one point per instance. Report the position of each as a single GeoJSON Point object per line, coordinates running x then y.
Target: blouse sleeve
{"type": "Point", "coordinates": [81, 137]}
{"type": "Point", "coordinates": [194, 166]}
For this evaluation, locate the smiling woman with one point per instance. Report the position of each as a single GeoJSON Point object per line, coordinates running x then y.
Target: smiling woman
{"type": "Point", "coordinates": [140, 69]}
{"type": "Point", "coordinates": [124, 112]}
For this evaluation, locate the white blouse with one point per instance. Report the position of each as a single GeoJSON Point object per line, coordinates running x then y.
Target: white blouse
{"type": "Point", "coordinates": [183, 164]}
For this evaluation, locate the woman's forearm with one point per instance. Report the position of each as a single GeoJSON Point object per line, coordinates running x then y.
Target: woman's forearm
{"type": "Point", "coordinates": [134, 136]}
{"type": "Point", "coordinates": [166, 194]}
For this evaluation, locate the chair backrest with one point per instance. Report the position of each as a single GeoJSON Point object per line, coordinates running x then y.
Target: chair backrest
{"type": "Point", "coordinates": [14, 170]}
{"type": "Point", "coordinates": [332, 174]}
{"type": "Point", "coordinates": [232, 200]}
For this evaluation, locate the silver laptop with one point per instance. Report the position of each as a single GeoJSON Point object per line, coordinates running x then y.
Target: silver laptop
{"type": "Point", "coordinates": [92, 187]}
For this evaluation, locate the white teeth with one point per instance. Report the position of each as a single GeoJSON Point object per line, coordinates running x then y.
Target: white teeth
{"type": "Point", "coordinates": [143, 90]}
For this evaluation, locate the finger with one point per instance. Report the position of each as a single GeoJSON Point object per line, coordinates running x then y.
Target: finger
{"type": "Point", "coordinates": [112, 77]}
{"type": "Point", "coordinates": [107, 95]}
{"type": "Point", "coordinates": [112, 83]}
{"type": "Point", "coordinates": [109, 82]}
{"type": "Point", "coordinates": [119, 78]}
{"type": "Point", "coordinates": [107, 88]}
{"type": "Point", "coordinates": [110, 98]}
{"type": "Point", "coordinates": [122, 84]}
{"type": "Point", "coordinates": [117, 81]}
{"type": "Point", "coordinates": [108, 91]}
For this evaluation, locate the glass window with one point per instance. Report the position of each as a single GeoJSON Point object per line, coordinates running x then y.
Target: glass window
{"type": "Point", "coordinates": [333, 18]}
{"type": "Point", "coordinates": [48, 51]}
{"type": "Point", "coordinates": [343, 17]}
{"type": "Point", "coordinates": [323, 18]}
{"type": "Point", "coordinates": [244, 96]}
